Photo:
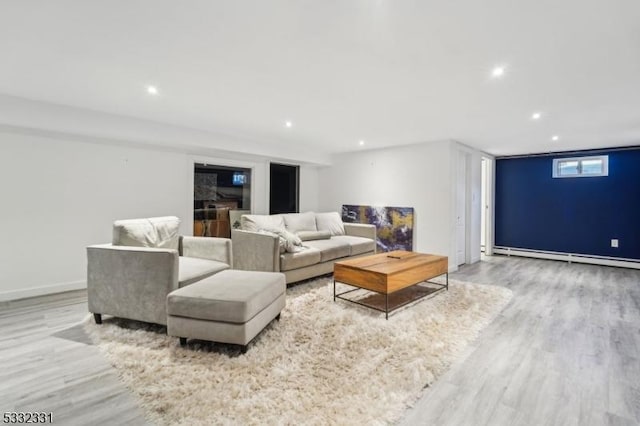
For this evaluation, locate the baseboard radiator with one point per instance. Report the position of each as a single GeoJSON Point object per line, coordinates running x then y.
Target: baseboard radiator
{"type": "Point", "coordinates": [569, 257]}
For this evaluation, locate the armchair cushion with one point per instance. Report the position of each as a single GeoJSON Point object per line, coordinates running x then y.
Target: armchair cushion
{"type": "Point", "coordinates": [211, 248]}
{"type": "Point", "coordinates": [156, 232]}
{"type": "Point", "coordinates": [192, 269]}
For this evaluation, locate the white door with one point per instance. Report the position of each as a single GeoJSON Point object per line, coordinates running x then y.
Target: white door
{"type": "Point", "coordinates": [461, 207]}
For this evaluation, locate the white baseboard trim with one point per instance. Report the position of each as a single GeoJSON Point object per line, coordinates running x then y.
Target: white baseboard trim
{"type": "Point", "coordinates": [24, 293]}
{"type": "Point", "coordinates": [569, 257]}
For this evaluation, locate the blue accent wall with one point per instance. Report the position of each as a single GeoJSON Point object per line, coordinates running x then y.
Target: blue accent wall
{"type": "Point", "coordinates": [571, 215]}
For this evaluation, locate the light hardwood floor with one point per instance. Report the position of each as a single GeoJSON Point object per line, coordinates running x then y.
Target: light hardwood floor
{"type": "Point", "coordinates": [565, 351]}
{"type": "Point", "coordinates": [49, 365]}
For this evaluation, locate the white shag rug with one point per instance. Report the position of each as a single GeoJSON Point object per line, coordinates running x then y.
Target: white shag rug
{"type": "Point", "coordinates": [324, 362]}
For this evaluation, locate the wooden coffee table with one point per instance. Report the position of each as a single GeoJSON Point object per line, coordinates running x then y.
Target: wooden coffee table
{"type": "Point", "coordinates": [388, 273]}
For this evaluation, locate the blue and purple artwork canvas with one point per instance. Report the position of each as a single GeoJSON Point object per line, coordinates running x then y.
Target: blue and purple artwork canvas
{"type": "Point", "coordinates": [394, 225]}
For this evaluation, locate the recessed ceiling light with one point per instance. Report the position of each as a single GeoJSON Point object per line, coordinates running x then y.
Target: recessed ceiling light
{"type": "Point", "coordinates": [288, 124]}
{"type": "Point", "coordinates": [555, 138]}
{"type": "Point", "coordinates": [361, 143]}
{"type": "Point", "coordinates": [498, 72]}
{"type": "Point", "coordinates": [536, 116]}
{"type": "Point", "coordinates": [152, 90]}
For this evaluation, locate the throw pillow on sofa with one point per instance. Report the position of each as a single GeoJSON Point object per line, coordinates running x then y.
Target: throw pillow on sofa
{"type": "Point", "coordinates": [293, 242]}
{"type": "Point", "coordinates": [288, 241]}
{"type": "Point", "coordinates": [314, 235]}
{"type": "Point", "coordinates": [331, 222]}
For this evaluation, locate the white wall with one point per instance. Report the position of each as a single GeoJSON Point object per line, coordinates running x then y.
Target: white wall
{"type": "Point", "coordinates": [58, 196]}
{"type": "Point", "coordinates": [309, 188]}
{"type": "Point", "coordinates": [422, 176]}
{"type": "Point", "coordinates": [417, 176]}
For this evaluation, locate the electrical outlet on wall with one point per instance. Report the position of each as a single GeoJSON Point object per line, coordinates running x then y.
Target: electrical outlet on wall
{"type": "Point", "coordinates": [614, 242]}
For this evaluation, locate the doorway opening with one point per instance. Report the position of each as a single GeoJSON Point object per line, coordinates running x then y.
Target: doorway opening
{"type": "Point", "coordinates": [220, 194]}
{"type": "Point", "coordinates": [284, 189]}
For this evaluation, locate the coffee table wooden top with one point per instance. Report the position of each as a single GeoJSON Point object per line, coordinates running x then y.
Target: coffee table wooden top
{"type": "Point", "coordinates": [389, 272]}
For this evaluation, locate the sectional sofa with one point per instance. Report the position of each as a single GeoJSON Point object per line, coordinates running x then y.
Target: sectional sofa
{"type": "Point", "coordinates": [300, 245]}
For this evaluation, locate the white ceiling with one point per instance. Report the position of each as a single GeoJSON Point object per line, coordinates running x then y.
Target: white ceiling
{"type": "Point", "coordinates": [389, 72]}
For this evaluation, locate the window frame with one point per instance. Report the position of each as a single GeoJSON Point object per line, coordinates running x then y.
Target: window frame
{"type": "Point", "coordinates": [558, 161]}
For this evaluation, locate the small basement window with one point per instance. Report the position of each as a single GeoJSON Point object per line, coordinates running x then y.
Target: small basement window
{"type": "Point", "coordinates": [581, 167]}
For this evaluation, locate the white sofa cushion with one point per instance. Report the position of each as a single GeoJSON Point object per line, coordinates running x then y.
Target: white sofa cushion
{"type": "Point", "coordinates": [157, 232]}
{"type": "Point", "coordinates": [331, 222]}
{"type": "Point", "coordinates": [296, 222]}
{"type": "Point", "coordinates": [256, 222]}
{"type": "Point", "coordinates": [359, 245]}
{"type": "Point", "coordinates": [306, 257]}
{"type": "Point", "coordinates": [330, 249]}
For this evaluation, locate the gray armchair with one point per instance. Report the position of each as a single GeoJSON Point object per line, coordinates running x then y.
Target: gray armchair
{"type": "Point", "coordinates": [133, 281]}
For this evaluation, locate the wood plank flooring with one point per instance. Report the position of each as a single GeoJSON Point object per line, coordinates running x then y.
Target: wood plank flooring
{"type": "Point", "coordinates": [565, 351]}
{"type": "Point", "coordinates": [49, 365]}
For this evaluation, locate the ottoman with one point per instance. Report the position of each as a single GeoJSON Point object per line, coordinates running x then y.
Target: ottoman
{"type": "Point", "coordinates": [229, 307]}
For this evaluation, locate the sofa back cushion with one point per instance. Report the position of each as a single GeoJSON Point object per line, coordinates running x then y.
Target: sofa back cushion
{"type": "Point", "coordinates": [296, 222]}
{"type": "Point", "coordinates": [257, 222]}
{"type": "Point", "coordinates": [157, 232]}
{"type": "Point", "coordinates": [331, 222]}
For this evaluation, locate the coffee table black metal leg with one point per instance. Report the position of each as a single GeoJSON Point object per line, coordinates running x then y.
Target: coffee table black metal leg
{"type": "Point", "coordinates": [386, 306]}
{"type": "Point", "coordinates": [334, 290]}
{"type": "Point", "coordinates": [447, 281]}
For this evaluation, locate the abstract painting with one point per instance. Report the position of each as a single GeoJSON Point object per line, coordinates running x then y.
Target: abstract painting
{"type": "Point", "coordinates": [394, 224]}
